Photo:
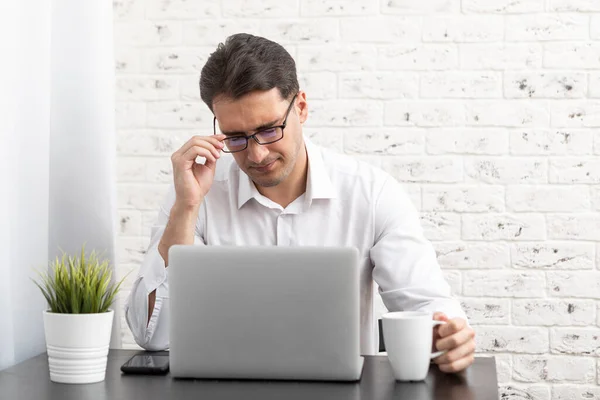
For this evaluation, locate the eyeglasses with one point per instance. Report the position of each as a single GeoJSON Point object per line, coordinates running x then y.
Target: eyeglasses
{"type": "Point", "coordinates": [269, 135]}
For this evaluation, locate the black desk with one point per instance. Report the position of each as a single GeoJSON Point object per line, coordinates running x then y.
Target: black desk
{"type": "Point", "coordinates": [30, 380]}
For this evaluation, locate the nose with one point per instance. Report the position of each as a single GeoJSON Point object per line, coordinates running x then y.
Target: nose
{"type": "Point", "coordinates": [256, 152]}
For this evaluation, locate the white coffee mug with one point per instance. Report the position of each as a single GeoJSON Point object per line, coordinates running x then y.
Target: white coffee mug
{"type": "Point", "coordinates": [408, 339]}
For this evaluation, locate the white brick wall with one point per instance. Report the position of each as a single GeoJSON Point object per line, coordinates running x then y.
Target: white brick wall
{"type": "Point", "coordinates": [488, 109]}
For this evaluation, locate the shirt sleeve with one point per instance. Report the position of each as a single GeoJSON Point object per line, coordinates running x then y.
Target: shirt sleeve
{"type": "Point", "coordinates": [405, 264]}
{"type": "Point", "coordinates": [153, 275]}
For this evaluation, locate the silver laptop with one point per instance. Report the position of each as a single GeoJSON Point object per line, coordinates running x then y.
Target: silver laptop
{"type": "Point", "coordinates": [254, 312]}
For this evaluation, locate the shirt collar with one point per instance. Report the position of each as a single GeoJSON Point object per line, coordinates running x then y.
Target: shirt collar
{"type": "Point", "coordinates": [246, 189]}
{"type": "Point", "coordinates": [318, 184]}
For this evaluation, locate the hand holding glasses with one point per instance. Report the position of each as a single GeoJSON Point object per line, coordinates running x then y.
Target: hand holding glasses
{"type": "Point", "coordinates": [239, 141]}
{"type": "Point", "coordinates": [193, 180]}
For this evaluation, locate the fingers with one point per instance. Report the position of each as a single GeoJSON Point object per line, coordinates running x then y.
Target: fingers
{"type": "Point", "coordinates": [213, 143]}
{"type": "Point", "coordinates": [457, 353]}
{"type": "Point", "coordinates": [455, 340]}
{"type": "Point", "coordinates": [440, 316]}
{"type": "Point", "coordinates": [199, 151]}
{"type": "Point", "coordinates": [458, 365]}
{"type": "Point", "coordinates": [209, 147]}
{"type": "Point", "coordinates": [216, 140]}
{"type": "Point", "coordinates": [210, 163]}
{"type": "Point", "coordinates": [452, 326]}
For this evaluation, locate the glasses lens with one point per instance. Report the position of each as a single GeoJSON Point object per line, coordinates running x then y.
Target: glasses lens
{"type": "Point", "coordinates": [235, 143]}
{"type": "Point", "coordinates": [269, 135]}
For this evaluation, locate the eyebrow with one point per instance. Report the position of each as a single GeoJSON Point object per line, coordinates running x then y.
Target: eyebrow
{"type": "Point", "coordinates": [259, 128]}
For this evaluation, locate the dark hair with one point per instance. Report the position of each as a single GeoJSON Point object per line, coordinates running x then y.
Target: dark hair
{"type": "Point", "coordinates": [245, 63]}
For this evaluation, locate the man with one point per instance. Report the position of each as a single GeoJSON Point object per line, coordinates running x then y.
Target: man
{"type": "Point", "coordinates": [284, 190]}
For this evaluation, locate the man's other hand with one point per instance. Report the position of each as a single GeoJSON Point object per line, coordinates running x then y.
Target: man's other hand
{"type": "Point", "coordinates": [458, 339]}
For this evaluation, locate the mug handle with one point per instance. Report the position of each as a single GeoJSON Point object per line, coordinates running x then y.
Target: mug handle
{"type": "Point", "coordinates": [437, 353]}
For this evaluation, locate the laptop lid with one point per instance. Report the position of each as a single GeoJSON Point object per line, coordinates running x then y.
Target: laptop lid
{"type": "Point", "coordinates": [264, 312]}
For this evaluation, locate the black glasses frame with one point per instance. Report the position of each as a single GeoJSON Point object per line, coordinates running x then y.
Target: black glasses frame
{"type": "Point", "coordinates": [253, 136]}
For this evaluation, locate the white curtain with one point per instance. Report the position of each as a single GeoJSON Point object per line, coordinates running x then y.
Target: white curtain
{"type": "Point", "coordinates": [57, 153]}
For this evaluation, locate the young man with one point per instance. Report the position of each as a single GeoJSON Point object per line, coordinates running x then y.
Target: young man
{"type": "Point", "coordinates": [284, 190]}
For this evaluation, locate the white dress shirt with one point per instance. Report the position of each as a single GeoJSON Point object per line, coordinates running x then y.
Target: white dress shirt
{"type": "Point", "coordinates": [347, 203]}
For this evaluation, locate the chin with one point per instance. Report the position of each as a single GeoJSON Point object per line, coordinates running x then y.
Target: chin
{"type": "Point", "coordinates": [273, 178]}
{"type": "Point", "coordinates": [266, 182]}
{"type": "Point", "coordinates": [270, 179]}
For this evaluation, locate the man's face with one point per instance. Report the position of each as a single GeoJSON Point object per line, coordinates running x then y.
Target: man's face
{"type": "Point", "coordinates": [270, 164]}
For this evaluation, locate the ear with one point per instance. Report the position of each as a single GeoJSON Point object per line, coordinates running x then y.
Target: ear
{"type": "Point", "coordinates": [302, 106]}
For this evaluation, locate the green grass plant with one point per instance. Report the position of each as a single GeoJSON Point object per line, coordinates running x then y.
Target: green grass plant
{"type": "Point", "coordinates": [78, 285]}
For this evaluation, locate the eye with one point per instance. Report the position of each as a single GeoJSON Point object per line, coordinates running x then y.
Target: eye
{"type": "Point", "coordinates": [237, 141]}
{"type": "Point", "coordinates": [267, 133]}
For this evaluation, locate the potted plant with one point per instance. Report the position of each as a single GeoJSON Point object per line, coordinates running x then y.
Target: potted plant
{"type": "Point", "coordinates": [78, 322]}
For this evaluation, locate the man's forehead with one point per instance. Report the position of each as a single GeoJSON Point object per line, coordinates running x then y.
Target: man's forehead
{"type": "Point", "coordinates": [255, 98]}
{"type": "Point", "coordinates": [248, 112]}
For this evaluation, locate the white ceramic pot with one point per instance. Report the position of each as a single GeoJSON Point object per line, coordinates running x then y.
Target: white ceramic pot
{"type": "Point", "coordinates": [77, 346]}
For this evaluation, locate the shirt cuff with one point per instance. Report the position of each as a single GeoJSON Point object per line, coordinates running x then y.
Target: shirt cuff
{"type": "Point", "coordinates": [155, 274]}
{"type": "Point", "coordinates": [153, 320]}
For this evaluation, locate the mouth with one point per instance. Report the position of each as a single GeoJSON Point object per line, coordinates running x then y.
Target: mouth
{"type": "Point", "coordinates": [265, 168]}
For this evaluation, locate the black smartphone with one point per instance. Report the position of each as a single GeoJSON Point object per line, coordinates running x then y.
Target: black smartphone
{"type": "Point", "coordinates": [147, 364]}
